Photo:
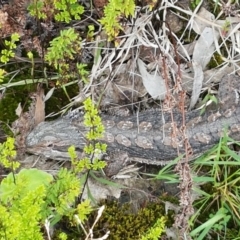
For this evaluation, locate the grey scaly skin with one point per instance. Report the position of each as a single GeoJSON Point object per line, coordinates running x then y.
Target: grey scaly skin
{"type": "Point", "coordinates": [146, 136]}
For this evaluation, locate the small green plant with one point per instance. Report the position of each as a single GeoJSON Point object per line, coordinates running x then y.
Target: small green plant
{"type": "Point", "coordinates": [113, 12]}
{"type": "Point", "coordinates": [83, 72]}
{"type": "Point", "coordinates": [2, 73]}
{"type": "Point", "coordinates": [61, 53]}
{"type": "Point", "coordinates": [225, 27]}
{"type": "Point", "coordinates": [36, 7]}
{"type": "Point", "coordinates": [209, 97]}
{"type": "Point", "coordinates": [90, 33]}
{"type": "Point", "coordinates": [60, 10]}
{"type": "Point", "coordinates": [63, 48]}
{"type": "Point", "coordinates": [194, 4]}
{"type": "Point", "coordinates": [68, 10]}
{"type": "Point", "coordinates": [93, 149]}
{"type": "Point", "coordinates": [155, 232]}
{"type": "Point", "coordinates": [21, 199]}
{"type": "Point", "coordinates": [8, 53]}
{"type": "Point", "coordinates": [216, 223]}
{"type": "Point", "coordinates": [8, 154]}
{"type": "Point", "coordinates": [33, 197]}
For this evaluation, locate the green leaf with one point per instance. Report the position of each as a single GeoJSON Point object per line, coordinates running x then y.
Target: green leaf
{"type": "Point", "coordinates": [105, 181]}
{"type": "Point", "coordinates": [33, 178]}
{"type": "Point", "coordinates": [205, 227]}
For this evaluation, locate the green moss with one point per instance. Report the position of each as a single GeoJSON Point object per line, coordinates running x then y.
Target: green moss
{"type": "Point", "coordinates": [232, 234]}
{"type": "Point", "coordinates": [215, 61]}
{"type": "Point", "coordinates": [21, 94]}
{"type": "Point", "coordinates": [121, 221]}
{"type": "Point", "coordinates": [123, 224]}
{"type": "Point", "coordinates": [189, 36]}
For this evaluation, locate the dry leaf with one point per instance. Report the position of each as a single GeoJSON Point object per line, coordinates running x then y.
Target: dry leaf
{"type": "Point", "coordinates": [198, 24]}
{"type": "Point", "coordinates": [39, 115]}
{"type": "Point", "coordinates": [197, 83]}
{"type": "Point", "coordinates": [205, 47]}
{"type": "Point", "coordinates": [49, 94]}
{"type": "Point", "coordinates": [18, 110]}
{"type": "Point", "coordinates": [100, 191]}
{"type": "Point", "coordinates": [153, 83]}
